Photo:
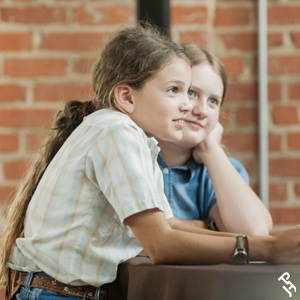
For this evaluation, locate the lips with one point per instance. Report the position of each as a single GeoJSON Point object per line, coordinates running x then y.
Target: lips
{"type": "Point", "coordinates": [194, 124]}
{"type": "Point", "coordinates": [179, 122]}
{"type": "Point", "coordinates": [180, 119]}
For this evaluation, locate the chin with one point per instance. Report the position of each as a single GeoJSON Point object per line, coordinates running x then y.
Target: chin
{"type": "Point", "coordinates": [190, 141]}
{"type": "Point", "coordinates": [175, 138]}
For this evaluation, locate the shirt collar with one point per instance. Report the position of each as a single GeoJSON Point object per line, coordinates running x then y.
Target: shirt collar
{"type": "Point", "coordinates": [152, 144]}
{"type": "Point", "coordinates": [190, 165]}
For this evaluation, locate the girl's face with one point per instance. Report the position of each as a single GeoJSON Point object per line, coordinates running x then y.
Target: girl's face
{"type": "Point", "coordinates": [162, 104]}
{"type": "Point", "coordinates": [205, 96]}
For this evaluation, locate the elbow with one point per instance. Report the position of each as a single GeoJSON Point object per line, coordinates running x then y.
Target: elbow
{"type": "Point", "coordinates": [159, 256]}
{"type": "Point", "coordinates": [262, 230]}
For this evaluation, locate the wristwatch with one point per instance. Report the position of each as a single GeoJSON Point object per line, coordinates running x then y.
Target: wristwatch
{"type": "Point", "coordinates": [211, 225]}
{"type": "Point", "coordinates": [240, 255]}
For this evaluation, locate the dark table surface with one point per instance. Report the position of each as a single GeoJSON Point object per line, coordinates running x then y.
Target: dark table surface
{"type": "Point", "coordinates": [138, 278]}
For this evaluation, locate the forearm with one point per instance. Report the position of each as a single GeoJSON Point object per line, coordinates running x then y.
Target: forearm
{"type": "Point", "coordinates": [240, 209]}
{"type": "Point", "coordinates": [190, 248]}
{"type": "Point", "coordinates": [199, 227]}
{"type": "Point", "coordinates": [166, 245]}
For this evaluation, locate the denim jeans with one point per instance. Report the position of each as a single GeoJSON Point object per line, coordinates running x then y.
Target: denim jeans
{"type": "Point", "coordinates": [29, 293]}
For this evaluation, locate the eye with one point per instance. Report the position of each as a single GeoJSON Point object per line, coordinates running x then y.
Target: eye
{"type": "Point", "coordinates": [213, 101]}
{"type": "Point", "coordinates": [173, 90]}
{"type": "Point", "coordinates": [191, 93]}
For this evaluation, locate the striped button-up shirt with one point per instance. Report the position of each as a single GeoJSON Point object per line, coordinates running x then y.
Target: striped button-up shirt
{"type": "Point", "coordinates": [74, 226]}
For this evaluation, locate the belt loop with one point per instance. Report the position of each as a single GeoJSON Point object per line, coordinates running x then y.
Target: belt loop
{"type": "Point", "coordinates": [28, 280]}
{"type": "Point", "coordinates": [97, 293]}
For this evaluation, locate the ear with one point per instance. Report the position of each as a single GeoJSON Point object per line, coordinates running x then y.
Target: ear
{"type": "Point", "coordinates": [124, 97]}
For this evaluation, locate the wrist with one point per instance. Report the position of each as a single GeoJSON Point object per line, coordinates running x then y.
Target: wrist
{"type": "Point", "coordinates": [209, 153]}
{"type": "Point", "coordinates": [260, 248]}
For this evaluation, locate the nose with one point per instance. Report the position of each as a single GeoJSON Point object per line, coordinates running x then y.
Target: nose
{"type": "Point", "coordinates": [185, 105]}
{"type": "Point", "coordinates": [200, 109]}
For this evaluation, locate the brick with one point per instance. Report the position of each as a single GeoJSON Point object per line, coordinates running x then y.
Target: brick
{"type": "Point", "coordinates": [242, 92]}
{"type": "Point", "coordinates": [245, 41]}
{"type": "Point", "coordinates": [58, 92]}
{"type": "Point", "coordinates": [284, 15]}
{"type": "Point", "coordinates": [241, 142]}
{"type": "Point", "coordinates": [288, 215]}
{"type": "Point", "coordinates": [35, 67]}
{"type": "Point", "coordinates": [285, 115]}
{"type": "Point", "coordinates": [83, 66]}
{"type": "Point", "coordinates": [275, 40]}
{"type": "Point", "coordinates": [234, 65]}
{"type": "Point", "coordinates": [12, 93]}
{"type": "Point", "coordinates": [296, 38]}
{"type": "Point", "coordinates": [72, 41]}
{"type": "Point", "coordinates": [15, 41]}
{"type": "Point", "coordinates": [294, 91]}
{"type": "Point", "coordinates": [247, 116]}
{"type": "Point", "coordinates": [274, 142]}
{"type": "Point", "coordinates": [33, 142]}
{"type": "Point", "coordinates": [29, 118]}
{"type": "Point", "coordinates": [294, 140]}
{"type": "Point", "coordinates": [232, 16]}
{"type": "Point", "coordinates": [110, 15]}
{"type": "Point", "coordinates": [9, 142]}
{"type": "Point", "coordinates": [7, 194]}
{"type": "Point", "coordinates": [274, 91]}
{"type": "Point", "coordinates": [34, 15]}
{"type": "Point", "coordinates": [279, 65]}
{"type": "Point", "coordinates": [225, 116]}
{"type": "Point", "coordinates": [2, 291]}
{"type": "Point", "coordinates": [284, 167]}
{"type": "Point", "coordinates": [14, 170]}
{"type": "Point", "coordinates": [277, 192]}
{"type": "Point", "coordinates": [200, 38]}
{"type": "Point", "coordinates": [240, 1]}
{"type": "Point", "coordinates": [297, 189]}
{"type": "Point", "coordinates": [189, 15]}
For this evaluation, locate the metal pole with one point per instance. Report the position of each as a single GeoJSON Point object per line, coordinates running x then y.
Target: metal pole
{"type": "Point", "coordinates": [263, 102]}
{"type": "Point", "coordinates": [155, 11]}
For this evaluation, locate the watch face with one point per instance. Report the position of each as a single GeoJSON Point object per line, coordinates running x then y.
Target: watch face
{"type": "Point", "coordinates": [240, 257]}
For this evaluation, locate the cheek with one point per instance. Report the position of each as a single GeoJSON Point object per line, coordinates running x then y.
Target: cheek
{"type": "Point", "coordinates": [213, 120]}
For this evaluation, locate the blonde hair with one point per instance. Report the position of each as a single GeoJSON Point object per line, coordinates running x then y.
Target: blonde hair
{"type": "Point", "coordinates": [133, 56]}
{"type": "Point", "coordinates": [199, 55]}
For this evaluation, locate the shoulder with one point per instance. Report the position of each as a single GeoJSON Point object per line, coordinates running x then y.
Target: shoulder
{"type": "Point", "coordinates": [117, 129]}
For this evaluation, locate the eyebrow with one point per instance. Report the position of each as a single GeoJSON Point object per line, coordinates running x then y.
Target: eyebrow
{"type": "Point", "coordinates": [198, 89]}
{"type": "Point", "coordinates": [179, 82]}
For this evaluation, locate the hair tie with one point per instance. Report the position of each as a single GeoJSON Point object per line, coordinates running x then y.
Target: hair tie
{"type": "Point", "coordinates": [95, 102]}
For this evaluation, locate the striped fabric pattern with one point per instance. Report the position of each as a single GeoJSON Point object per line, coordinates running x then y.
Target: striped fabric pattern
{"type": "Point", "coordinates": [74, 227]}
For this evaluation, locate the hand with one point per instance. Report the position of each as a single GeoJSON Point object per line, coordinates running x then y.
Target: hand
{"type": "Point", "coordinates": [286, 247]}
{"type": "Point", "coordinates": [212, 139]}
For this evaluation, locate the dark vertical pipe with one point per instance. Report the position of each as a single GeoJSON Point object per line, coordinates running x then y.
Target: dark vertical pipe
{"type": "Point", "coordinates": [155, 11]}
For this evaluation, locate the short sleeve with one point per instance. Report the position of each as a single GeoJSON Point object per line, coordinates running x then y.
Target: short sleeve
{"type": "Point", "coordinates": [209, 197]}
{"type": "Point", "coordinates": [125, 172]}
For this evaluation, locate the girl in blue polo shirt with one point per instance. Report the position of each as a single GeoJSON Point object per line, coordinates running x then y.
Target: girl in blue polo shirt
{"type": "Point", "coordinates": [200, 182]}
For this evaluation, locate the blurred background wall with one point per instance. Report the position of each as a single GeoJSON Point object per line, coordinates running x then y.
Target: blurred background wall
{"type": "Point", "coordinates": [47, 48]}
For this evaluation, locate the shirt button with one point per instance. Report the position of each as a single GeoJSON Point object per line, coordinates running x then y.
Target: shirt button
{"type": "Point", "coordinates": [166, 171]}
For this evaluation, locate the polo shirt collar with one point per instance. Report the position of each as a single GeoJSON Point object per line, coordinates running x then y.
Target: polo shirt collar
{"type": "Point", "coordinates": [190, 165]}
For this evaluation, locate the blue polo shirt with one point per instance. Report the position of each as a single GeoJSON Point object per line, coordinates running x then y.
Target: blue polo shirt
{"type": "Point", "coordinates": [189, 189]}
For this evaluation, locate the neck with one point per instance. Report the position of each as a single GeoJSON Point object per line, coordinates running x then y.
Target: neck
{"type": "Point", "coordinates": [174, 155]}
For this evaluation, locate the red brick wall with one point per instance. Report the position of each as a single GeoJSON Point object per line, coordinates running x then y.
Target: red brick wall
{"type": "Point", "coordinates": [46, 51]}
